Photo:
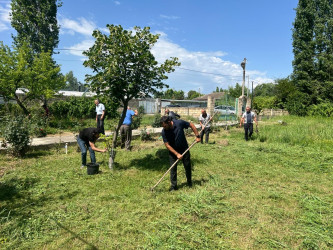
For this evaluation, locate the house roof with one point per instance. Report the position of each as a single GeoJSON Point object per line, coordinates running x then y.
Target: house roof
{"type": "Point", "coordinates": [215, 95]}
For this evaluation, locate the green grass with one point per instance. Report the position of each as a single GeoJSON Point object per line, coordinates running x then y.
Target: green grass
{"type": "Point", "coordinates": [272, 194]}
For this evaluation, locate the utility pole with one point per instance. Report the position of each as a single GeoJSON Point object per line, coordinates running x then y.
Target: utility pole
{"type": "Point", "coordinates": [248, 86]}
{"type": "Point", "coordinates": [252, 96]}
{"type": "Point", "coordinates": [243, 64]}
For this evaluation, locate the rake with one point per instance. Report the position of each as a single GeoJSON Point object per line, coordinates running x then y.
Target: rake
{"type": "Point", "coordinates": [175, 163]}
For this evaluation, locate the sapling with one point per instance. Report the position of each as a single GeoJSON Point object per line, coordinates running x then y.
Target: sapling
{"type": "Point", "coordinates": [107, 141]}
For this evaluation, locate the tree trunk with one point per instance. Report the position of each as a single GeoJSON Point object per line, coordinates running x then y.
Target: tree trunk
{"type": "Point", "coordinates": [25, 110]}
{"type": "Point", "coordinates": [114, 141]}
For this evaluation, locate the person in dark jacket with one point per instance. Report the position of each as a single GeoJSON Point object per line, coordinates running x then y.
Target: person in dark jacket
{"type": "Point", "coordinates": [86, 140]}
{"type": "Point", "coordinates": [172, 114]}
{"type": "Point", "coordinates": [175, 141]}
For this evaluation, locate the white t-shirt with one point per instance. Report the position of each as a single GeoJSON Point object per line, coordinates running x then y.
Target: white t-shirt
{"type": "Point", "coordinates": [205, 121]}
{"type": "Point", "coordinates": [251, 114]}
{"type": "Point", "coordinates": [100, 108]}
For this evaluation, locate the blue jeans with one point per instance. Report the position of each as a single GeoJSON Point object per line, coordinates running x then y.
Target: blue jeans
{"type": "Point", "coordinates": [83, 146]}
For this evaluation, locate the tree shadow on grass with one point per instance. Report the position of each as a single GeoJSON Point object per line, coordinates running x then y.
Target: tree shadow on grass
{"type": "Point", "coordinates": [12, 189]}
{"type": "Point", "coordinates": [156, 162]}
{"type": "Point", "coordinates": [75, 235]}
{"type": "Point", "coordinates": [159, 161]}
{"type": "Point", "coordinates": [36, 154]}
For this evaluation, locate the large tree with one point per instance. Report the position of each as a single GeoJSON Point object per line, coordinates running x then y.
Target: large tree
{"type": "Point", "coordinates": [170, 94]}
{"type": "Point", "coordinates": [124, 67]}
{"type": "Point", "coordinates": [236, 91]}
{"type": "Point", "coordinates": [192, 94]}
{"type": "Point", "coordinates": [265, 89]}
{"type": "Point", "coordinates": [313, 50]}
{"type": "Point", "coordinates": [71, 82]}
{"type": "Point", "coordinates": [37, 78]}
{"type": "Point", "coordinates": [36, 24]}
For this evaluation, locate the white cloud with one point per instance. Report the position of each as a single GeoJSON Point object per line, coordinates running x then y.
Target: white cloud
{"type": "Point", "coordinates": [5, 17]}
{"type": "Point", "coordinates": [77, 49]}
{"type": "Point", "coordinates": [200, 70]}
{"type": "Point", "coordinates": [116, 2]}
{"type": "Point", "coordinates": [169, 17]}
{"type": "Point", "coordinates": [204, 70]}
{"type": "Point", "coordinates": [82, 26]}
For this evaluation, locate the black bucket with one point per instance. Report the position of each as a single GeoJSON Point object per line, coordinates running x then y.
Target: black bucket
{"type": "Point", "coordinates": [92, 168]}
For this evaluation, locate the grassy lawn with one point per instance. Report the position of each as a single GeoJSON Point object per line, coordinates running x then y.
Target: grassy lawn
{"type": "Point", "coordinates": [275, 191]}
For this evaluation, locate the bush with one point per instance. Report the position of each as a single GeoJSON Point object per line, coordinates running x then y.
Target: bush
{"type": "Point", "coordinates": [156, 122]}
{"type": "Point", "coordinates": [136, 122]}
{"type": "Point", "coordinates": [298, 103]}
{"type": "Point", "coordinates": [322, 109]}
{"type": "Point", "coordinates": [17, 134]}
{"type": "Point", "coordinates": [145, 135]}
{"type": "Point", "coordinates": [261, 102]}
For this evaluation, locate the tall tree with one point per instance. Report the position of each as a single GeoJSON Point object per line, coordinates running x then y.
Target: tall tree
{"type": "Point", "coordinates": [192, 94]}
{"type": "Point", "coordinates": [36, 24]}
{"type": "Point", "coordinates": [236, 91]}
{"type": "Point", "coordinates": [265, 89]}
{"type": "Point", "coordinates": [124, 67]}
{"type": "Point", "coordinates": [313, 49]}
{"type": "Point", "coordinates": [37, 78]}
{"type": "Point", "coordinates": [71, 82]}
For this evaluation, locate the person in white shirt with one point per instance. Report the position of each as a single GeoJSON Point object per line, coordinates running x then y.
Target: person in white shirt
{"type": "Point", "coordinates": [100, 115]}
{"type": "Point", "coordinates": [204, 120]}
{"type": "Point", "coordinates": [248, 118]}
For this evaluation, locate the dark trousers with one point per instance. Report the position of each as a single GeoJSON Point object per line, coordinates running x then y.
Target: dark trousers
{"type": "Point", "coordinates": [126, 136]}
{"type": "Point", "coordinates": [83, 146]}
{"type": "Point", "coordinates": [187, 165]}
{"type": "Point", "coordinates": [206, 132]}
{"type": "Point", "coordinates": [248, 127]}
{"type": "Point", "coordinates": [100, 124]}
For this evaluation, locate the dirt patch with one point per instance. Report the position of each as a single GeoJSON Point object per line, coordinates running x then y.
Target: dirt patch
{"type": "Point", "coordinates": [224, 142]}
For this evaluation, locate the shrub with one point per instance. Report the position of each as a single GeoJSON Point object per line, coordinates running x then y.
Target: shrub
{"type": "Point", "coordinates": [262, 102]}
{"type": "Point", "coordinates": [17, 134]}
{"type": "Point", "coordinates": [322, 109]}
{"type": "Point", "coordinates": [145, 135]}
{"type": "Point", "coordinates": [137, 119]}
{"type": "Point", "coordinates": [156, 122]}
{"type": "Point", "coordinates": [298, 103]}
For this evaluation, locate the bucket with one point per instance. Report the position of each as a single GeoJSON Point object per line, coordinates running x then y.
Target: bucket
{"type": "Point", "coordinates": [92, 168]}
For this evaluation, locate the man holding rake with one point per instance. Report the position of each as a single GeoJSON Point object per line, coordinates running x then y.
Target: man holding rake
{"type": "Point", "coordinates": [175, 141]}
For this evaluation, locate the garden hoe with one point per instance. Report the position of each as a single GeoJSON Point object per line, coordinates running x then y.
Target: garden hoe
{"type": "Point", "coordinates": [175, 163]}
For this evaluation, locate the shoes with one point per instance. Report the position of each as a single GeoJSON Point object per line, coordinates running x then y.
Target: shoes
{"type": "Point", "coordinates": [83, 166]}
{"type": "Point", "coordinates": [189, 184]}
{"type": "Point", "coordinates": [171, 189]}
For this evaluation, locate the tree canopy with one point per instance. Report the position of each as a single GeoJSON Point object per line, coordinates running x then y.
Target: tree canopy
{"type": "Point", "coordinates": [171, 94]}
{"type": "Point", "coordinates": [313, 50]}
{"type": "Point", "coordinates": [36, 24]}
{"type": "Point", "coordinates": [124, 66]}
{"type": "Point", "coordinates": [39, 78]}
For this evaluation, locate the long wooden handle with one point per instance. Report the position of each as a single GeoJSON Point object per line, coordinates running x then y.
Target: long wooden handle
{"type": "Point", "coordinates": [182, 155]}
{"type": "Point", "coordinates": [174, 164]}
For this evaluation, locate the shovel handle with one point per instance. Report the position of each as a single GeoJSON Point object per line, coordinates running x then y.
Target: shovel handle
{"type": "Point", "coordinates": [174, 164]}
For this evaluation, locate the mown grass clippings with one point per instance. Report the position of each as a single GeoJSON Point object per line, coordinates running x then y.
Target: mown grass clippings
{"type": "Point", "coordinates": [271, 194]}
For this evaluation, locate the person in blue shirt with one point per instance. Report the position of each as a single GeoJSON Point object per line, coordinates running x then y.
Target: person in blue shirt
{"type": "Point", "coordinates": [126, 130]}
{"type": "Point", "coordinates": [175, 141]}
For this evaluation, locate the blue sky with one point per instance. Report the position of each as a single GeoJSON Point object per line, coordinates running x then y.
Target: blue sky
{"type": "Point", "coordinates": [210, 38]}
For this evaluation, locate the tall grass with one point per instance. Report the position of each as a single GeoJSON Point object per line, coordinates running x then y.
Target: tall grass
{"type": "Point", "coordinates": [301, 131]}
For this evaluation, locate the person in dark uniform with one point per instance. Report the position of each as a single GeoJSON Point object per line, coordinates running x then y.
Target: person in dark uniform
{"type": "Point", "coordinates": [174, 140]}
{"type": "Point", "coordinates": [172, 114]}
{"type": "Point", "coordinates": [86, 140]}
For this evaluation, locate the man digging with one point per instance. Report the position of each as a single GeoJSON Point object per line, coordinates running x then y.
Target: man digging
{"type": "Point", "coordinates": [174, 140]}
